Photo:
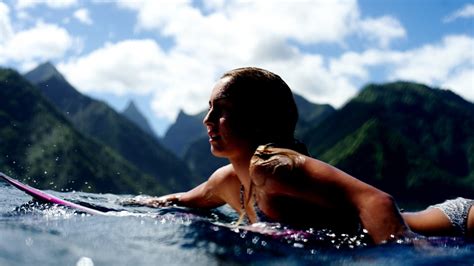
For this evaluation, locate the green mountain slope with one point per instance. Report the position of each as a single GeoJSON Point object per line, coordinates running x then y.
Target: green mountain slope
{"type": "Point", "coordinates": [96, 119]}
{"type": "Point", "coordinates": [38, 144]}
{"type": "Point", "coordinates": [310, 114]}
{"type": "Point", "coordinates": [200, 159]}
{"type": "Point", "coordinates": [410, 140]}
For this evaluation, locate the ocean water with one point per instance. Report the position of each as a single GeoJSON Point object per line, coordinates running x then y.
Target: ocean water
{"type": "Point", "coordinates": [38, 234]}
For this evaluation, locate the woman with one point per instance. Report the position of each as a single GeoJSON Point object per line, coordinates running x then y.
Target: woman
{"type": "Point", "coordinates": [251, 121]}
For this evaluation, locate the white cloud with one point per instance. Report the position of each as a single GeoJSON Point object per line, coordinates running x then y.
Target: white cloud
{"type": "Point", "coordinates": [462, 83]}
{"type": "Point", "coordinates": [6, 30]}
{"type": "Point", "coordinates": [435, 63]}
{"type": "Point", "coordinates": [302, 21]}
{"type": "Point", "coordinates": [31, 45]}
{"type": "Point", "coordinates": [357, 65]}
{"type": "Point", "coordinates": [213, 5]}
{"type": "Point", "coordinates": [229, 34]}
{"type": "Point", "coordinates": [128, 66]}
{"type": "Point", "coordinates": [232, 34]}
{"type": "Point", "coordinates": [141, 67]}
{"type": "Point", "coordinates": [383, 29]}
{"type": "Point", "coordinates": [56, 4]}
{"type": "Point", "coordinates": [466, 12]}
{"type": "Point", "coordinates": [82, 15]}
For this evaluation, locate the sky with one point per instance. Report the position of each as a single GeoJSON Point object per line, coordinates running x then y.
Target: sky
{"type": "Point", "coordinates": [166, 55]}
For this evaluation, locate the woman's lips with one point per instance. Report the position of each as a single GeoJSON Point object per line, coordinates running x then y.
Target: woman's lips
{"type": "Point", "coordinates": [214, 137]}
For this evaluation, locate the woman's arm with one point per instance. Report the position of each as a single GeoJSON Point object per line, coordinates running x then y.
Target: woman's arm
{"type": "Point", "coordinates": [377, 210]}
{"type": "Point", "coordinates": [210, 194]}
{"type": "Point", "coordinates": [286, 172]}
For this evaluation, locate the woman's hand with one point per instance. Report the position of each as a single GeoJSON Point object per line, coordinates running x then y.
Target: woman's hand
{"type": "Point", "coordinates": [152, 202]}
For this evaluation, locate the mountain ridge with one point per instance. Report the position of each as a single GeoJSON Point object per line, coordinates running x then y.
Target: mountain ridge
{"type": "Point", "coordinates": [402, 137]}
{"type": "Point", "coordinates": [39, 144]}
{"type": "Point", "coordinates": [96, 119]}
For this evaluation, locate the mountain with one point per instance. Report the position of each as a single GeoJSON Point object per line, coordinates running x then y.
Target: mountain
{"type": "Point", "coordinates": [40, 145]}
{"type": "Point", "coordinates": [413, 141]}
{"type": "Point", "coordinates": [310, 114]}
{"type": "Point", "coordinates": [96, 119]}
{"type": "Point", "coordinates": [200, 159]}
{"type": "Point", "coordinates": [133, 114]}
{"type": "Point", "coordinates": [44, 72]}
{"type": "Point", "coordinates": [186, 130]}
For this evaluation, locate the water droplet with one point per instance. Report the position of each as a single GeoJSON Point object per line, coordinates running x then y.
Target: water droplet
{"type": "Point", "coordinates": [45, 172]}
{"type": "Point", "coordinates": [29, 241]}
{"type": "Point", "coordinates": [85, 261]}
{"type": "Point", "coordinates": [298, 245]}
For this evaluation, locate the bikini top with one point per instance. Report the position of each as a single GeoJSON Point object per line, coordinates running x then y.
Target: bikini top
{"type": "Point", "coordinates": [260, 215]}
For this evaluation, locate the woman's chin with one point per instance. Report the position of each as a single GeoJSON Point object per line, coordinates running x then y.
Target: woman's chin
{"type": "Point", "coordinates": [217, 152]}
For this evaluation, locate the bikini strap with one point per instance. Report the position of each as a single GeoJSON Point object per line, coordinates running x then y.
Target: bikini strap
{"type": "Point", "coordinates": [242, 197]}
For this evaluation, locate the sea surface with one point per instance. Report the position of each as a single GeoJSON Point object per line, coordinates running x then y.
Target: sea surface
{"type": "Point", "coordinates": [38, 234]}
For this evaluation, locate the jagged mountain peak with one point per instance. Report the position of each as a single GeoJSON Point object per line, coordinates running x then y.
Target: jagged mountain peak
{"type": "Point", "coordinates": [136, 116]}
{"type": "Point", "coordinates": [43, 72]}
{"type": "Point", "coordinates": [131, 106]}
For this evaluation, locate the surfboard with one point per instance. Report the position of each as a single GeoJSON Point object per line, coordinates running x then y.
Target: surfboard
{"type": "Point", "coordinates": [48, 198]}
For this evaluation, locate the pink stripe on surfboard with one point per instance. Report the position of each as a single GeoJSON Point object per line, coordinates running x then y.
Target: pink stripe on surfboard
{"type": "Point", "coordinates": [38, 194]}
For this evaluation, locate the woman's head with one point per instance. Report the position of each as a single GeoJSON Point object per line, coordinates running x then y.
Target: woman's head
{"type": "Point", "coordinates": [264, 102]}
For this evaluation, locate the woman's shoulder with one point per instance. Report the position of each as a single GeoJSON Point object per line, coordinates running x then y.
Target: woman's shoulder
{"type": "Point", "coordinates": [225, 184]}
{"type": "Point", "coordinates": [224, 174]}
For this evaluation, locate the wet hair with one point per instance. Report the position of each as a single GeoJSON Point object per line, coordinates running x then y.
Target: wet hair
{"type": "Point", "coordinates": [279, 163]}
{"type": "Point", "coordinates": [268, 160]}
{"type": "Point", "coordinates": [267, 104]}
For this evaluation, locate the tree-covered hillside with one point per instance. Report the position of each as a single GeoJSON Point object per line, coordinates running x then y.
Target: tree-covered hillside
{"type": "Point", "coordinates": [39, 145]}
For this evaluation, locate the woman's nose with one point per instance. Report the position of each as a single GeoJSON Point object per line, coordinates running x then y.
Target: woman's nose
{"type": "Point", "coordinates": [207, 118]}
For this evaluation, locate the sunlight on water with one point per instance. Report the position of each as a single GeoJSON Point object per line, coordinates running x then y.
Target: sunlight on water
{"type": "Point", "coordinates": [35, 233]}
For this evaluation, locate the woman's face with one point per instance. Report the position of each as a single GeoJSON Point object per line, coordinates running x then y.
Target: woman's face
{"type": "Point", "coordinates": [224, 122]}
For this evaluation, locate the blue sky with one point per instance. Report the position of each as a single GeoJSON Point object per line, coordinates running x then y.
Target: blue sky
{"type": "Point", "coordinates": [166, 55]}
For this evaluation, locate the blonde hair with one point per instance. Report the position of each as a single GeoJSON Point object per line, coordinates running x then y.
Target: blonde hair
{"type": "Point", "coordinates": [273, 162]}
